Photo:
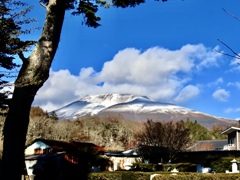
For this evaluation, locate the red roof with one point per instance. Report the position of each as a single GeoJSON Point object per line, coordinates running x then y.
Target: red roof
{"type": "Point", "coordinates": [70, 146]}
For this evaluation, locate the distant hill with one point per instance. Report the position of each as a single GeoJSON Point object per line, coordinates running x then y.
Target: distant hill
{"type": "Point", "coordinates": [139, 108]}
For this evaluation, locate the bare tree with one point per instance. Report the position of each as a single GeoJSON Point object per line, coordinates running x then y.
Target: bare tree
{"type": "Point", "coordinates": [174, 136]}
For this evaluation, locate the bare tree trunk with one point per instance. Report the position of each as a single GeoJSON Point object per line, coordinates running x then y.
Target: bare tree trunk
{"type": "Point", "coordinates": [34, 72]}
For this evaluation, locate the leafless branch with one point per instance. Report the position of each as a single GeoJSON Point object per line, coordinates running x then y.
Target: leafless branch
{"type": "Point", "coordinates": [231, 14]}
{"type": "Point", "coordinates": [42, 4]}
{"type": "Point", "coordinates": [236, 55]}
{"type": "Point", "coordinates": [227, 54]}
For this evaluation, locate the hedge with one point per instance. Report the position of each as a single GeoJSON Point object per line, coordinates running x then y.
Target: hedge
{"type": "Point", "coordinates": [130, 175]}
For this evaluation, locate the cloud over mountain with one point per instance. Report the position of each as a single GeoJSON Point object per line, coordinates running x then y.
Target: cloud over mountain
{"type": "Point", "coordinates": [159, 73]}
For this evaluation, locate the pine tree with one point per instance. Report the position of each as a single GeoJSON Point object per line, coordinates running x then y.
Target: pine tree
{"type": "Point", "coordinates": [10, 43]}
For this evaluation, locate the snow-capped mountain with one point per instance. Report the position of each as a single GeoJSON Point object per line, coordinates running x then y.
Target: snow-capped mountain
{"type": "Point", "coordinates": [132, 107]}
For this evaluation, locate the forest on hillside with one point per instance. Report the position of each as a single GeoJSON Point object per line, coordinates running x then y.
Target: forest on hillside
{"type": "Point", "coordinates": [114, 133]}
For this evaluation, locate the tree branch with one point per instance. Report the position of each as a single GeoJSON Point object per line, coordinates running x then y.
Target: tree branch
{"type": "Point", "coordinates": [42, 4]}
{"type": "Point", "coordinates": [21, 56]}
{"type": "Point", "coordinates": [227, 54]}
{"type": "Point", "coordinates": [236, 55]}
{"type": "Point", "coordinates": [231, 14]}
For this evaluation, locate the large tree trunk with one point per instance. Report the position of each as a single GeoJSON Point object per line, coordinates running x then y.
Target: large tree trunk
{"type": "Point", "coordinates": [34, 72]}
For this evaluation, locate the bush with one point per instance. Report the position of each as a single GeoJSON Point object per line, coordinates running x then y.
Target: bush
{"type": "Point", "coordinates": [147, 167]}
{"type": "Point", "coordinates": [119, 175]}
{"type": "Point", "coordinates": [187, 167]}
{"type": "Point", "coordinates": [197, 176]}
{"type": "Point", "coordinates": [221, 164]}
{"type": "Point", "coordinates": [182, 167]}
{"type": "Point", "coordinates": [128, 175]}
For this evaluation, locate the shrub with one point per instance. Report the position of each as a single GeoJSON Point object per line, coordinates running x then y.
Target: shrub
{"type": "Point", "coordinates": [182, 167]}
{"type": "Point", "coordinates": [147, 167]}
{"type": "Point", "coordinates": [187, 167]}
{"type": "Point", "coordinates": [221, 164]}
{"type": "Point", "coordinates": [119, 175]}
{"type": "Point", "coordinates": [197, 176]}
{"type": "Point", "coordinates": [128, 175]}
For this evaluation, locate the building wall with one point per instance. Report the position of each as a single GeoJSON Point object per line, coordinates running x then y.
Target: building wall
{"type": "Point", "coordinates": [232, 138]}
{"type": "Point", "coordinates": [238, 139]}
{"type": "Point", "coordinates": [37, 148]}
{"type": "Point", "coordinates": [119, 163]}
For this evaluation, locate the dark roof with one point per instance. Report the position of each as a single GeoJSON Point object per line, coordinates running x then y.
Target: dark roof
{"type": "Point", "coordinates": [42, 156]}
{"type": "Point", "coordinates": [122, 154]}
{"type": "Point", "coordinates": [218, 144]}
{"type": "Point", "coordinates": [69, 146]}
{"type": "Point", "coordinates": [138, 151]}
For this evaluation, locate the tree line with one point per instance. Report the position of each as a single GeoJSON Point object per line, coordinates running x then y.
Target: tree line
{"type": "Point", "coordinates": [116, 133]}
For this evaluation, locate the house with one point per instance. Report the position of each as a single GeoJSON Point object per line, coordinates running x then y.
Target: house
{"type": "Point", "coordinates": [46, 146]}
{"type": "Point", "coordinates": [54, 157]}
{"type": "Point", "coordinates": [124, 160]}
{"type": "Point", "coordinates": [233, 134]}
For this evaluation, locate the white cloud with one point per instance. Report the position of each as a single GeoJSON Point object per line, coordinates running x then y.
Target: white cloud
{"type": "Point", "coordinates": [215, 83]}
{"type": "Point", "coordinates": [219, 81]}
{"type": "Point", "coordinates": [221, 95]}
{"type": "Point", "coordinates": [159, 73]}
{"type": "Point", "coordinates": [231, 110]}
{"type": "Point", "coordinates": [234, 84]}
{"type": "Point", "coordinates": [235, 64]}
{"type": "Point", "coordinates": [228, 110]}
{"type": "Point", "coordinates": [132, 66]}
{"type": "Point", "coordinates": [187, 94]}
{"type": "Point", "coordinates": [207, 57]}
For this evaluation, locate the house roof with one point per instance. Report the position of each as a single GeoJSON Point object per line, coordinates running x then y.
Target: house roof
{"type": "Point", "coordinates": [230, 130]}
{"type": "Point", "coordinates": [138, 151]}
{"type": "Point", "coordinates": [128, 153]}
{"type": "Point", "coordinates": [68, 146]}
{"type": "Point", "coordinates": [218, 144]}
{"type": "Point", "coordinates": [42, 156]}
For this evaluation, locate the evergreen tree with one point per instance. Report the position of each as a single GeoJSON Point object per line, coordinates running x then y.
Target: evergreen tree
{"type": "Point", "coordinates": [10, 43]}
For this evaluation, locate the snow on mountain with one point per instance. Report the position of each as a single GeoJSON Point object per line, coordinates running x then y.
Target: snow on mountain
{"type": "Point", "coordinates": [94, 104]}
{"type": "Point", "coordinates": [133, 107]}
{"type": "Point", "coordinates": [145, 106]}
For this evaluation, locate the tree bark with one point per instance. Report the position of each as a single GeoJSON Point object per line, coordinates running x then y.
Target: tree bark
{"type": "Point", "coordinates": [33, 73]}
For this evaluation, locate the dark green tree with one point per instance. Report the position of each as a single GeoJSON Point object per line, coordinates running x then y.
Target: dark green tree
{"type": "Point", "coordinates": [53, 115]}
{"type": "Point", "coordinates": [10, 43]}
{"type": "Point", "coordinates": [35, 71]}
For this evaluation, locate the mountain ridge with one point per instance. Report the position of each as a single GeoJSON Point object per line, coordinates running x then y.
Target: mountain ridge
{"type": "Point", "coordinates": [134, 107]}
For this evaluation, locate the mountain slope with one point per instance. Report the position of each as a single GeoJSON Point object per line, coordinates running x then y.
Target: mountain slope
{"type": "Point", "coordinates": [132, 107]}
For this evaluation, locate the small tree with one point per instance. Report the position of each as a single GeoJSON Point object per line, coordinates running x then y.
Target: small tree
{"type": "Point", "coordinates": [53, 115]}
{"type": "Point", "coordinates": [174, 136]}
{"type": "Point", "coordinates": [38, 111]}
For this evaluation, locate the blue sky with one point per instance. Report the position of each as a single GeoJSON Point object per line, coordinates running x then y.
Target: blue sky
{"type": "Point", "coordinates": [166, 51]}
